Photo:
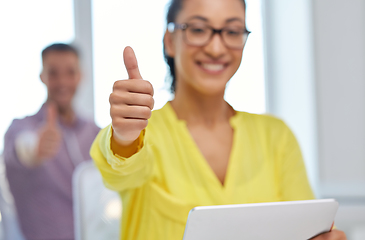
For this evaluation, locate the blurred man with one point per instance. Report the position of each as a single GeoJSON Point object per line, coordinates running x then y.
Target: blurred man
{"type": "Point", "coordinates": [42, 151]}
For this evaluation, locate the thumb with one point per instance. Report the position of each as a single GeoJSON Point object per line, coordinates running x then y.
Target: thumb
{"type": "Point", "coordinates": [51, 115]}
{"type": "Point", "coordinates": [130, 62]}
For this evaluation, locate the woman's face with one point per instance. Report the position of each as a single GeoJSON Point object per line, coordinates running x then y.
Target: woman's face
{"type": "Point", "coordinates": [206, 69]}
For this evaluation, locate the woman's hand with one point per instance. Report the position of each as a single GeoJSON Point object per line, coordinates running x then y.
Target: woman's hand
{"type": "Point", "coordinates": [131, 103]}
{"type": "Point", "coordinates": [333, 235]}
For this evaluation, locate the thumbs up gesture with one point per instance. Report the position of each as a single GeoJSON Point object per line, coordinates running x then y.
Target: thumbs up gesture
{"type": "Point", "coordinates": [49, 136]}
{"type": "Point", "coordinates": [131, 102]}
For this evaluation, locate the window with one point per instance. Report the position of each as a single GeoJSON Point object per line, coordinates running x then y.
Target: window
{"type": "Point", "coordinates": [141, 24]}
{"type": "Point", "coordinates": [246, 89]}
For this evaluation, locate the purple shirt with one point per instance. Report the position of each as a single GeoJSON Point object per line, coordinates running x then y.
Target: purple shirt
{"type": "Point", "coordinates": [43, 195]}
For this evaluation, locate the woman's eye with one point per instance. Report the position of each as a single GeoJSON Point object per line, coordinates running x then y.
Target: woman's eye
{"type": "Point", "coordinates": [197, 30]}
{"type": "Point", "coordinates": [234, 32]}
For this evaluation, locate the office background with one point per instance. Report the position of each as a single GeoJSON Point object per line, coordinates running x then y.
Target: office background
{"type": "Point", "coordinates": [304, 62]}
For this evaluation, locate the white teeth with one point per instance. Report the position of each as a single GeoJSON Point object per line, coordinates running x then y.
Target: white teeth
{"type": "Point", "coordinates": [213, 67]}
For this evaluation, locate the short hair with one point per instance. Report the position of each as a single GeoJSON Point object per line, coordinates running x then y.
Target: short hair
{"type": "Point", "coordinates": [59, 47]}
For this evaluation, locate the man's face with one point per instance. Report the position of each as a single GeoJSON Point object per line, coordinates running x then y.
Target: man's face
{"type": "Point", "coordinates": [61, 75]}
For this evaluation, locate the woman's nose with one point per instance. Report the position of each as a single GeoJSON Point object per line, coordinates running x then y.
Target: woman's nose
{"type": "Point", "coordinates": [216, 47]}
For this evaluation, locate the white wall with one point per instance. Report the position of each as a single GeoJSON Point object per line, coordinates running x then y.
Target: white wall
{"type": "Point", "coordinates": [290, 74]}
{"type": "Point", "coordinates": [315, 69]}
{"type": "Point", "coordinates": [111, 33]}
{"type": "Point", "coordinates": [84, 99]}
{"type": "Point", "coordinates": [340, 79]}
{"type": "Point", "coordinates": [24, 33]}
{"type": "Point", "coordinates": [339, 37]}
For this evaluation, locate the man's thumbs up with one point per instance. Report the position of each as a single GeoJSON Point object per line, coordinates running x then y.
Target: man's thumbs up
{"type": "Point", "coordinates": [51, 115]}
{"type": "Point", "coordinates": [131, 102]}
{"type": "Point", "coordinates": [49, 136]}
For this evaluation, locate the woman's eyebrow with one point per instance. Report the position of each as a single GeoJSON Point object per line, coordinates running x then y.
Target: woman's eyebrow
{"type": "Point", "coordinates": [206, 19]}
{"type": "Point", "coordinates": [234, 19]}
{"type": "Point", "coordinates": [198, 17]}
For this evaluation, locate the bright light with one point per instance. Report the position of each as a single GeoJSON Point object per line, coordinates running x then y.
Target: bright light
{"type": "Point", "coordinates": [246, 89]}
{"type": "Point", "coordinates": [113, 210]}
{"type": "Point", "coordinates": [118, 24]}
{"type": "Point", "coordinates": [26, 28]}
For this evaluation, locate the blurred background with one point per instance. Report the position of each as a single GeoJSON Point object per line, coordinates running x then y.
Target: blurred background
{"type": "Point", "coordinates": [304, 62]}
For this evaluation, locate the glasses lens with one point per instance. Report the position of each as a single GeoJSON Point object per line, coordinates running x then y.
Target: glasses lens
{"type": "Point", "coordinates": [197, 34]}
{"type": "Point", "coordinates": [234, 37]}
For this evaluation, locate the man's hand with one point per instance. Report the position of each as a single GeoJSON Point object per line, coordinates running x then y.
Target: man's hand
{"type": "Point", "coordinates": [49, 137]}
{"type": "Point", "coordinates": [131, 103]}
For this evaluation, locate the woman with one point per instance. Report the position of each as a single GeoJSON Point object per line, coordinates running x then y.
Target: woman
{"type": "Point", "coordinates": [196, 150]}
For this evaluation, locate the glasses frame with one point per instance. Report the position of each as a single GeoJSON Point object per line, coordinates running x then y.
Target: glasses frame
{"type": "Point", "coordinates": [171, 27]}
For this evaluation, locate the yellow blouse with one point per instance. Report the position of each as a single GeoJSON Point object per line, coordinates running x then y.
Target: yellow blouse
{"type": "Point", "coordinates": [169, 176]}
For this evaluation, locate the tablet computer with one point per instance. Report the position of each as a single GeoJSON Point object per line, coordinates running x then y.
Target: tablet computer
{"type": "Point", "coordinates": [294, 220]}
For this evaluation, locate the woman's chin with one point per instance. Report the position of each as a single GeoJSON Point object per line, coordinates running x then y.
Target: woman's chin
{"type": "Point", "coordinates": [212, 89]}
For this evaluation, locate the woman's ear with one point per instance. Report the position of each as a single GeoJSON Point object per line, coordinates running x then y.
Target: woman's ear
{"type": "Point", "coordinates": [169, 44]}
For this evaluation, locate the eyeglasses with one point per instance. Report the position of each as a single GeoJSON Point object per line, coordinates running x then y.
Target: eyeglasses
{"type": "Point", "coordinates": [200, 35]}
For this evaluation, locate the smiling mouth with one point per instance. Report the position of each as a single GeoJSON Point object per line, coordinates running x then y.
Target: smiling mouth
{"type": "Point", "coordinates": [212, 67]}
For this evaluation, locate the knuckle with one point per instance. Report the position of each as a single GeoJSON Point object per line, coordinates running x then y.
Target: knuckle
{"type": "Point", "coordinates": [149, 86]}
{"type": "Point", "coordinates": [151, 102]}
{"type": "Point", "coordinates": [120, 85]}
{"type": "Point", "coordinates": [117, 123]}
{"type": "Point", "coordinates": [143, 124]}
{"type": "Point", "coordinates": [148, 100]}
{"type": "Point", "coordinates": [114, 112]}
{"type": "Point", "coordinates": [112, 98]}
{"type": "Point", "coordinates": [117, 85]}
{"type": "Point", "coordinates": [146, 112]}
{"type": "Point", "coordinates": [115, 98]}
{"type": "Point", "coordinates": [114, 122]}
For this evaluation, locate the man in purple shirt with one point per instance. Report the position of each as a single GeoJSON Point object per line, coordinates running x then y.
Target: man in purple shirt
{"type": "Point", "coordinates": [42, 151]}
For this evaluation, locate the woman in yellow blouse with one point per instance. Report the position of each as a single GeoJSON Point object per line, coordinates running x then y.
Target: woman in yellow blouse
{"type": "Point", "coordinates": [197, 150]}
